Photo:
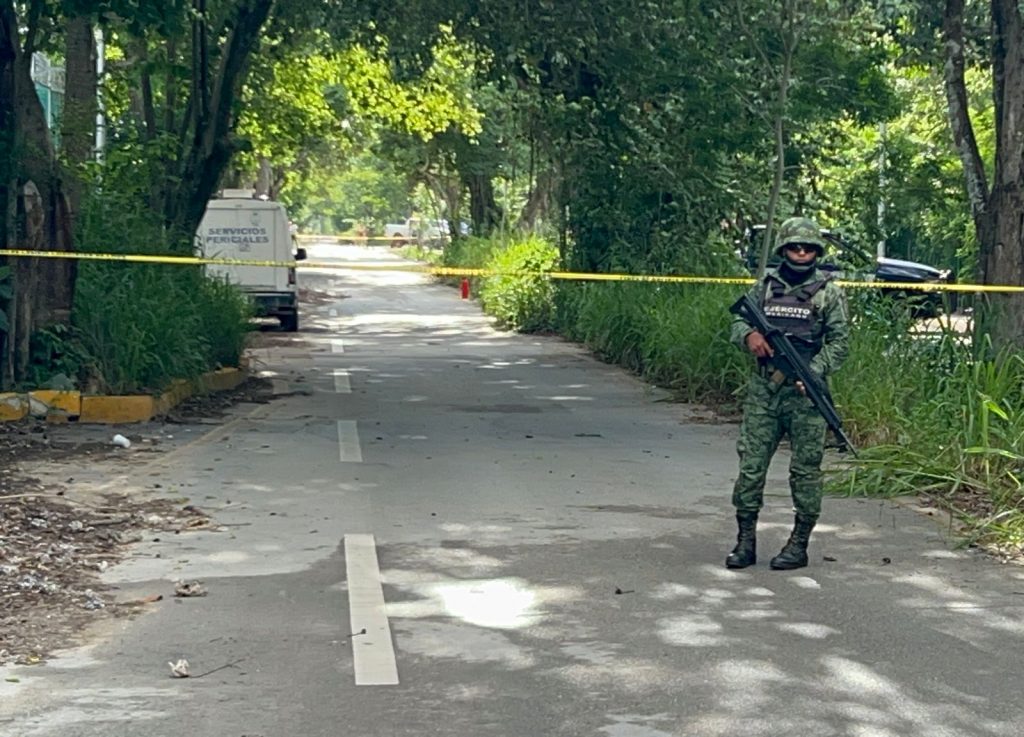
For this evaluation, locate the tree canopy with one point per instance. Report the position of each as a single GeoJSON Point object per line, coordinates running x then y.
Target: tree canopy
{"type": "Point", "coordinates": [639, 135]}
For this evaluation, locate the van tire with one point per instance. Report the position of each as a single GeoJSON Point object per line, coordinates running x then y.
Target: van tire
{"type": "Point", "coordinates": [290, 323]}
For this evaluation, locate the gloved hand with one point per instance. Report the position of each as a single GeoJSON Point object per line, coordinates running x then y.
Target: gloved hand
{"type": "Point", "coordinates": [759, 346]}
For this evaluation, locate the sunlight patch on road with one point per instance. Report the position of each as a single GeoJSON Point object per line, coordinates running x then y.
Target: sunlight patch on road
{"type": "Point", "coordinates": [808, 629]}
{"type": "Point", "coordinates": [229, 556]}
{"type": "Point", "coordinates": [499, 603]}
{"type": "Point", "coordinates": [692, 630]}
{"type": "Point", "coordinates": [567, 398]}
{"type": "Point", "coordinates": [805, 582]}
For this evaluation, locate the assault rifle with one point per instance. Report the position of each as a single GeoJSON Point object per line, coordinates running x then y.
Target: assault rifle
{"type": "Point", "coordinates": [788, 361]}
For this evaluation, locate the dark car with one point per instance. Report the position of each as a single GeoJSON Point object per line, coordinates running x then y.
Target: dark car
{"type": "Point", "coordinates": [848, 261]}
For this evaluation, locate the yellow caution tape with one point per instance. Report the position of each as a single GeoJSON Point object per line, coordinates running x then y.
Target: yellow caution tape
{"type": "Point", "coordinates": [457, 272]}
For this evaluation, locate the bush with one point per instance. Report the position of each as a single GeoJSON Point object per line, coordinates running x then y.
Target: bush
{"type": "Point", "coordinates": [521, 301]}
{"type": "Point", "coordinates": [141, 326]}
{"type": "Point", "coordinates": [137, 327]}
{"type": "Point", "coordinates": [470, 252]}
{"type": "Point", "coordinates": [225, 319]}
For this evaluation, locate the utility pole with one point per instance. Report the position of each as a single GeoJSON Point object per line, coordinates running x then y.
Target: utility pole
{"type": "Point", "coordinates": [101, 116]}
{"type": "Point", "coordinates": [882, 130]}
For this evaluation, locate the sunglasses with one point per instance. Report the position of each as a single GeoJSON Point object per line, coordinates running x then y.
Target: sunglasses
{"type": "Point", "coordinates": [800, 248]}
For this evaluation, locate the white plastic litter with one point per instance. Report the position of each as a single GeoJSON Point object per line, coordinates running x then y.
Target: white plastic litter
{"type": "Point", "coordinates": [121, 441]}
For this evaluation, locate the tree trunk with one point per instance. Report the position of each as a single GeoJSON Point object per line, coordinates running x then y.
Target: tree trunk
{"type": "Point", "coordinates": [1004, 256]}
{"type": "Point", "coordinates": [483, 208]}
{"type": "Point", "coordinates": [539, 202]}
{"type": "Point", "coordinates": [43, 288]}
{"type": "Point", "coordinates": [265, 179]}
{"type": "Point", "coordinates": [998, 212]}
{"type": "Point", "coordinates": [211, 145]}
{"type": "Point", "coordinates": [8, 175]}
{"type": "Point", "coordinates": [78, 125]}
{"type": "Point", "coordinates": [789, 42]}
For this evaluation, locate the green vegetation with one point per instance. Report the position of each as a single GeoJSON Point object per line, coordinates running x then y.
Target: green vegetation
{"type": "Point", "coordinates": [138, 327]}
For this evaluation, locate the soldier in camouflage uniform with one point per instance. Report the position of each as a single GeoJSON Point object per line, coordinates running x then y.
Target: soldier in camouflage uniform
{"type": "Point", "coordinates": [799, 299]}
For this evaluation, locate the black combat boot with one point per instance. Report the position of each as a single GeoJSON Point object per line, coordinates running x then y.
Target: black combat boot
{"type": "Point", "coordinates": [794, 553]}
{"type": "Point", "coordinates": [745, 552]}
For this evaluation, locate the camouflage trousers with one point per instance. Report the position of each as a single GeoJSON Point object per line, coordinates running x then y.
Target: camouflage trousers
{"type": "Point", "coordinates": [771, 412]}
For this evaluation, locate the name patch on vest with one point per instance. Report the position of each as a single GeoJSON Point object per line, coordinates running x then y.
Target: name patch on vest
{"type": "Point", "coordinates": [790, 312]}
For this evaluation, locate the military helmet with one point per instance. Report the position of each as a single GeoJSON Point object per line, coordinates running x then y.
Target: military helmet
{"type": "Point", "coordinates": [800, 230]}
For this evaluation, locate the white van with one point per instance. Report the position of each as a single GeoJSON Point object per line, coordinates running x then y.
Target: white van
{"type": "Point", "coordinates": [236, 226]}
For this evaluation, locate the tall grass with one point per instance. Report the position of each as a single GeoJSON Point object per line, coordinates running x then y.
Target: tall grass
{"type": "Point", "coordinates": [675, 336]}
{"type": "Point", "coordinates": [137, 327]}
{"type": "Point", "coordinates": [949, 426]}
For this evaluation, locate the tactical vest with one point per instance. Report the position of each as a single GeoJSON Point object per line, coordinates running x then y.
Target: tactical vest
{"type": "Point", "coordinates": [795, 313]}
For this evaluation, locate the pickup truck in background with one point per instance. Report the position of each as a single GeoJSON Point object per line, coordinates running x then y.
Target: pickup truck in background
{"type": "Point", "coordinates": [416, 230]}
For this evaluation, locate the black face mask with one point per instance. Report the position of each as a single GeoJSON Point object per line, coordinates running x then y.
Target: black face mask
{"type": "Point", "coordinates": [796, 273]}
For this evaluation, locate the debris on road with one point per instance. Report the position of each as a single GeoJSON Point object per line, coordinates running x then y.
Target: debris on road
{"type": "Point", "coordinates": [53, 549]}
{"type": "Point", "coordinates": [179, 669]}
{"type": "Point", "coordinates": [189, 588]}
{"type": "Point", "coordinates": [58, 537]}
{"type": "Point", "coordinates": [201, 408]}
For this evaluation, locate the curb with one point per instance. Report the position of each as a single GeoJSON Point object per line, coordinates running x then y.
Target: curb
{"type": "Point", "coordinates": [72, 406]}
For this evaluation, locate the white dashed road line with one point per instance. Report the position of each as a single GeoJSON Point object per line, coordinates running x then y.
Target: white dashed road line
{"type": "Point", "coordinates": [337, 346]}
{"type": "Point", "coordinates": [348, 442]}
{"type": "Point", "coordinates": [342, 384]}
{"type": "Point", "coordinates": [373, 653]}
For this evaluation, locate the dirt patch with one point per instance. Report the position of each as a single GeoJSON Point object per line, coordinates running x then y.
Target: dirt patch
{"type": "Point", "coordinates": [55, 542]}
{"type": "Point", "coordinates": [210, 406]}
{"type": "Point", "coordinates": [52, 551]}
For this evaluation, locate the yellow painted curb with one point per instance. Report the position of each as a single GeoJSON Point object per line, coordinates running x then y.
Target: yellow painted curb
{"type": "Point", "coordinates": [175, 394]}
{"type": "Point", "coordinates": [13, 407]}
{"type": "Point", "coordinates": [117, 409]}
{"type": "Point", "coordinates": [222, 380]}
{"type": "Point", "coordinates": [67, 402]}
{"type": "Point", "coordinates": [68, 406]}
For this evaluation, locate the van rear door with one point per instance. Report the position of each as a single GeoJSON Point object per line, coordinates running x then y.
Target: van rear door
{"type": "Point", "coordinates": [250, 230]}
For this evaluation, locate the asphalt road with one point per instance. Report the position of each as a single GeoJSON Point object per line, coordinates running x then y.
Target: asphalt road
{"type": "Point", "coordinates": [445, 529]}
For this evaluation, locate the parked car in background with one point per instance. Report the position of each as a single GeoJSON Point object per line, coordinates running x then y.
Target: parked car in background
{"type": "Point", "coordinates": [237, 226]}
{"type": "Point", "coordinates": [849, 261]}
{"type": "Point", "coordinates": [417, 230]}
